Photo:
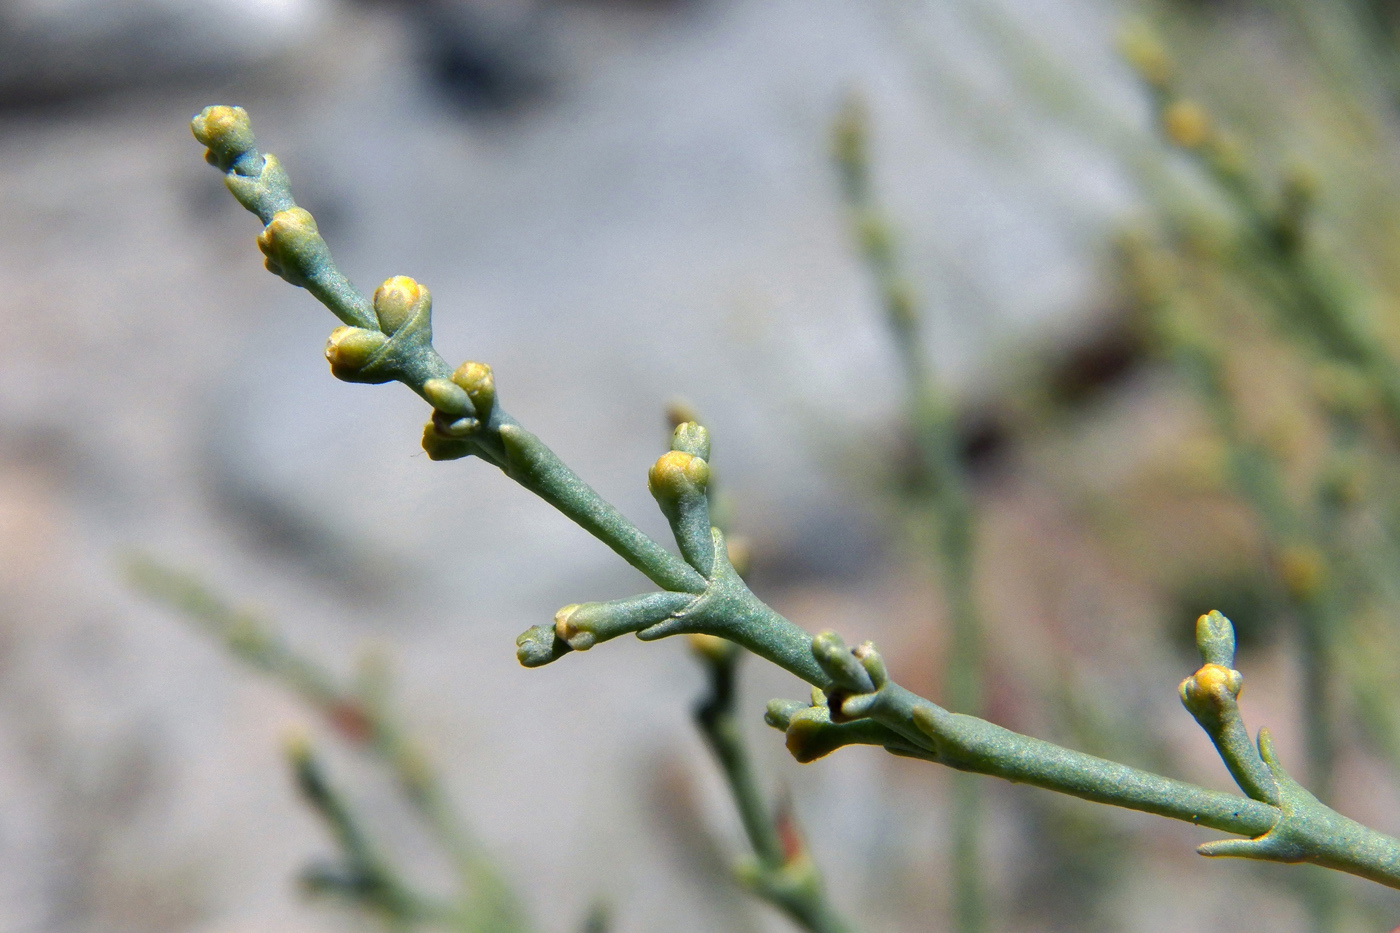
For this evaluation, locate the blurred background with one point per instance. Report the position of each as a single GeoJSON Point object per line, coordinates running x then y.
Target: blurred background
{"type": "Point", "coordinates": [623, 203]}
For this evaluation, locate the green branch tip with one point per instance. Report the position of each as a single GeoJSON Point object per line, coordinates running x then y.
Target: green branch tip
{"type": "Point", "coordinates": [679, 481]}
{"type": "Point", "coordinates": [581, 626]}
{"type": "Point", "coordinates": [1215, 637]}
{"type": "Point", "coordinates": [229, 135]}
{"type": "Point", "coordinates": [859, 671]}
{"type": "Point", "coordinates": [810, 733]}
{"type": "Point", "coordinates": [539, 646]}
{"type": "Point", "coordinates": [691, 437]}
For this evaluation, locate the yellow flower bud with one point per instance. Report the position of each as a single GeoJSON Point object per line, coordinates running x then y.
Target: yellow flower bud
{"type": "Point", "coordinates": [288, 239]}
{"type": "Point", "coordinates": [349, 349]}
{"type": "Point", "coordinates": [803, 738]}
{"type": "Point", "coordinates": [480, 385]}
{"type": "Point", "coordinates": [1213, 677]}
{"type": "Point", "coordinates": [1209, 685]}
{"type": "Point", "coordinates": [226, 131]}
{"type": "Point", "coordinates": [440, 447]}
{"type": "Point", "coordinates": [563, 625]}
{"type": "Point", "coordinates": [1186, 124]}
{"type": "Point", "coordinates": [677, 473]}
{"type": "Point", "coordinates": [397, 301]}
{"type": "Point", "coordinates": [447, 397]}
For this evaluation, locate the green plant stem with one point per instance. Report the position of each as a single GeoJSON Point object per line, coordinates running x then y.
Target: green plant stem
{"type": "Point", "coordinates": [486, 903]}
{"type": "Point", "coordinates": [540, 470]}
{"type": "Point", "coordinates": [944, 500]}
{"type": "Point", "coordinates": [1293, 545]}
{"type": "Point", "coordinates": [1290, 539]}
{"type": "Point", "coordinates": [1316, 606]}
{"type": "Point", "coordinates": [364, 876]}
{"type": "Point", "coordinates": [781, 872]}
{"type": "Point", "coordinates": [858, 703]}
{"type": "Point", "coordinates": [1274, 256]}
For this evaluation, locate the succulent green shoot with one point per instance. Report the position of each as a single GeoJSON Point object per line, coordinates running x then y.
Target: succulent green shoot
{"type": "Point", "coordinates": [854, 700]}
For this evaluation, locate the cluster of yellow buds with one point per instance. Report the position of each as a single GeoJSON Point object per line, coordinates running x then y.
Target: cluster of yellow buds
{"type": "Point", "coordinates": [363, 354]}
{"type": "Point", "coordinates": [462, 406]}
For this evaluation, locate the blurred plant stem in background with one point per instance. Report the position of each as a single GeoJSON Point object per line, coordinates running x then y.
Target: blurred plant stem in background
{"type": "Point", "coordinates": [1301, 568]}
{"type": "Point", "coordinates": [1252, 275]}
{"type": "Point", "coordinates": [940, 488]}
{"type": "Point", "coordinates": [1197, 294]}
{"type": "Point", "coordinates": [781, 870]}
{"type": "Point", "coordinates": [359, 714]}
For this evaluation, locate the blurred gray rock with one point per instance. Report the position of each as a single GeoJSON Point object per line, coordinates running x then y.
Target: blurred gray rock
{"type": "Point", "coordinates": [55, 49]}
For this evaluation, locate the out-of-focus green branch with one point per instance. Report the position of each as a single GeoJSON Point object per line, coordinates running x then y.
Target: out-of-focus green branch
{"type": "Point", "coordinates": [362, 875]}
{"type": "Point", "coordinates": [781, 870]}
{"type": "Point", "coordinates": [857, 703]}
{"type": "Point", "coordinates": [358, 713]}
{"type": "Point", "coordinates": [1273, 249]}
{"type": "Point", "coordinates": [942, 486]}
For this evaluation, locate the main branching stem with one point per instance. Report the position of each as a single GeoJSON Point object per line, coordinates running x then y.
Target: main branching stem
{"type": "Point", "coordinates": [855, 702]}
